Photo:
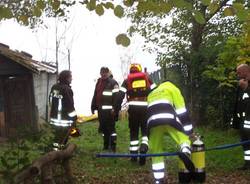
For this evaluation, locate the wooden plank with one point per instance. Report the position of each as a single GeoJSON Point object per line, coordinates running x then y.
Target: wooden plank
{"type": "Point", "coordinates": [2, 119]}
{"type": "Point", "coordinates": [2, 125]}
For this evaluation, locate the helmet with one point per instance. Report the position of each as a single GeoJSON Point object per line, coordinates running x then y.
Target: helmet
{"type": "Point", "coordinates": [135, 67]}
{"type": "Point", "coordinates": [75, 132]}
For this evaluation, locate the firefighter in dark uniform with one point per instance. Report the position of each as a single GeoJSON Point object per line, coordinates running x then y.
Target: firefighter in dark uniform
{"type": "Point", "coordinates": [241, 116]}
{"type": "Point", "coordinates": [62, 114]}
{"type": "Point", "coordinates": [105, 102]}
{"type": "Point", "coordinates": [136, 87]}
{"type": "Point", "coordinates": [167, 115]}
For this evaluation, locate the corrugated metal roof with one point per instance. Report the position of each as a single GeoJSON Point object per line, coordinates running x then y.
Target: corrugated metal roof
{"type": "Point", "coordinates": [26, 60]}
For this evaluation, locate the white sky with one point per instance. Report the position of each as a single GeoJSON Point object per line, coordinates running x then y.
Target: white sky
{"type": "Point", "coordinates": [91, 41]}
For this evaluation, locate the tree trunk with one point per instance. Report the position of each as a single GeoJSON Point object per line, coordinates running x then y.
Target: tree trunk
{"type": "Point", "coordinates": [36, 168]}
{"type": "Point", "coordinates": [194, 75]}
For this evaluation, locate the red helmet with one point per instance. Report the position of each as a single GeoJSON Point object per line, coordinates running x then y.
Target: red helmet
{"type": "Point", "coordinates": [135, 67]}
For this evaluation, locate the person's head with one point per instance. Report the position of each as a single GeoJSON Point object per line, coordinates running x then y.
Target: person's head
{"type": "Point", "coordinates": [104, 72]}
{"type": "Point", "coordinates": [243, 74]}
{"type": "Point", "coordinates": [65, 77]}
{"type": "Point", "coordinates": [111, 74]}
{"type": "Point", "coordinates": [134, 68]}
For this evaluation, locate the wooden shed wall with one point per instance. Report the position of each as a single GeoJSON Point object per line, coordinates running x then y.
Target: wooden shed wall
{"type": "Point", "coordinates": [26, 94]}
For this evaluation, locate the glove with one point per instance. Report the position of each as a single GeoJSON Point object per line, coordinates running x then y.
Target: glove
{"type": "Point", "coordinates": [192, 137]}
{"type": "Point", "coordinates": [115, 114]}
{"type": "Point", "coordinates": [93, 108]}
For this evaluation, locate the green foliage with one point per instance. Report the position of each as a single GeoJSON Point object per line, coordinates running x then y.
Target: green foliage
{"type": "Point", "coordinates": [193, 47]}
{"type": "Point", "coordinates": [241, 12]}
{"type": "Point", "coordinates": [87, 168]}
{"type": "Point", "coordinates": [91, 5]}
{"type": "Point", "coordinates": [205, 2]}
{"type": "Point", "coordinates": [22, 149]}
{"type": "Point", "coordinates": [128, 3]}
{"type": "Point", "coordinates": [5, 13]}
{"type": "Point", "coordinates": [30, 12]}
{"type": "Point", "coordinates": [213, 7]}
{"type": "Point", "coordinates": [199, 17]}
{"type": "Point", "coordinates": [99, 10]}
{"type": "Point", "coordinates": [236, 51]}
{"type": "Point", "coordinates": [118, 11]}
{"type": "Point", "coordinates": [229, 11]}
{"type": "Point", "coordinates": [123, 40]}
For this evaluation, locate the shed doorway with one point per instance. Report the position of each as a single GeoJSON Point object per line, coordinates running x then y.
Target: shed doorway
{"type": "Point", "coordinates": [17, 103]}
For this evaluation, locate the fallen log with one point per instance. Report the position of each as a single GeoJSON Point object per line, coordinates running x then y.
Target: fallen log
{"type": "Point", "coordinates": [36, 167]}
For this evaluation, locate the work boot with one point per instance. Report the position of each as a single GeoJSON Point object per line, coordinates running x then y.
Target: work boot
{"type": "Point", "coordinates": [113, 143]}
{"type": "Point", "coordinates": [246, 166]}
{"type": "Point", "coordinates": [160, 181]}
{"type": "Point", "coordinates": [56, 146]}
{"type": "Point", "coordinates": [143, 150]}
{"type": "Point", "coordinates": [105, 142]}
{"type": "Point", "coordinates": [133, 159]}
{"type": "Point", "coordinates": [185, 157]}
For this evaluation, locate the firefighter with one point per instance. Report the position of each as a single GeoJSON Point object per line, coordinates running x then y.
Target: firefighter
{"type": "Point", "coordinates": [105, 102]}
{"type": "Point", "coordinates": [62, 114]}
{"type": "Point", "coordinates": [136, 87]}
{"type": "Point", "coordinates": [167, 114]}
{"type": "Point", "coordinates": [241, 115]}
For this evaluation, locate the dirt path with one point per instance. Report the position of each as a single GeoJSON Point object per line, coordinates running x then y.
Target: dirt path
{"type": "Point", "coordinates": [237, 177]}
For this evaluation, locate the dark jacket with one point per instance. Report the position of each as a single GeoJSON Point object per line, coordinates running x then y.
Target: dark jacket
{"type": "Point", "coordinates": [65, 92]}
{"type": "Point", "coordinates": [108, 85]}
{"type": "Point", "coordinates": [241, 114]}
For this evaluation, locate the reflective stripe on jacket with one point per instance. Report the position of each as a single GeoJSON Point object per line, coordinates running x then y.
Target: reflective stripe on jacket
{"type": "Point", "coordinates": [108, 95]}
{"type": "Point", "coordinates": [62, 105]}
{"type": "Point", "coordinates": [166, 106]}
{"type": "Point", "coordinates": [243, 109]}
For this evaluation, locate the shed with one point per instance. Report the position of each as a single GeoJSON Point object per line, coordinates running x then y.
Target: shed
{"type": "Point", "coordinates": [24, 90]}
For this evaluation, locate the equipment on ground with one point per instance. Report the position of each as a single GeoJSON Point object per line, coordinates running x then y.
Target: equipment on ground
{"type": "Point", "coordinates": [83, 119]}
{"type": "Point", "coordinates": [75, 132]}
{"type": "Point", "coordinates": [198, 158]}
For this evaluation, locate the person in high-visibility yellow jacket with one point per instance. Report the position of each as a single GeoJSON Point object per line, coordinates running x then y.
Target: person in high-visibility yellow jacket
{"type": "Point", "coordinates": [167, 114]}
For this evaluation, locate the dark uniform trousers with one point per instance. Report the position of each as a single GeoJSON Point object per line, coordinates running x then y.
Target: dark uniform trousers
{"type": "Point", "coordinates": [107, 126]}
{"type": "Point", "coordinates": [137, 121]}
{"type": "Point", "coordinates": [244, 136]}
{"type": "Point", "coordinates": [60, 134]}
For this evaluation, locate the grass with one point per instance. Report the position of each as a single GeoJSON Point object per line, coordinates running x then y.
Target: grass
{"type": "Point", "coordinates": [103, 169]}
{"type": "Point", "coordinates": [88, 169]}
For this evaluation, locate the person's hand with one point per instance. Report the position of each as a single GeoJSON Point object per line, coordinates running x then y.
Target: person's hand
{"type": "Point", "coordinates": [112, 113]}
{"type": "Point", "coordinates": [243, 83]}
{"type": "Point", "coordinates": [192, 137]}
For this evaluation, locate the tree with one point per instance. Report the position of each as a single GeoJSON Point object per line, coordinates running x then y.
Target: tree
{"type": "Point", "coordinates": [191, 40]}
{"type": "Point", "coordinates": [198, 18]}
{"type": "Point", "coordinates": [31, 12]}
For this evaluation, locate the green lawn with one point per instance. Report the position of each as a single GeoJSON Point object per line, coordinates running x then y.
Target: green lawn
{"type": "Point", "coordinates": [104, 170]}
{"type": "Point", "coordinates": [88, 169]}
